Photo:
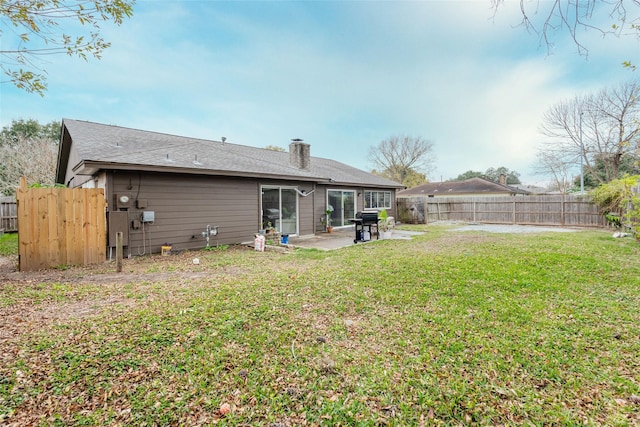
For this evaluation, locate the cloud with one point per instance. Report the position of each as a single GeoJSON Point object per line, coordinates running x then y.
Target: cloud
{"type": "Point", "coordinates": [341, 75]}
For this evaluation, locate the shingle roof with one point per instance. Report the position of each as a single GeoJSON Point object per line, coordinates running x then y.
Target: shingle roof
{"type": "Point", "coordinates": [467, 187]}
{"type": "Point", "coordinates": [112, 146]}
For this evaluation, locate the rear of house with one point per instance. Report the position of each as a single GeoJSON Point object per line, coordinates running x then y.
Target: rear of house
{"type": "Point", "coordinates": [165, 189]}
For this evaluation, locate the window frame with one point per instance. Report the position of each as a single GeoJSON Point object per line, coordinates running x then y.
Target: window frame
{"type": "Point", "coordinates": [344, 221]}
{"type": "Point", "coordinates": [369, 198]}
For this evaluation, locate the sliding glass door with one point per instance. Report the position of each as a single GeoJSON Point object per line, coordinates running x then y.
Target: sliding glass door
{"type": "Point", "coordinates": [344, 206]}
{"type": "Point", "coordinates": [280, 209]}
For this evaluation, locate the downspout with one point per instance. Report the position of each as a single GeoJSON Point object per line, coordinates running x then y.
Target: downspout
{"type": "Point", "coordinates": [313, 210]}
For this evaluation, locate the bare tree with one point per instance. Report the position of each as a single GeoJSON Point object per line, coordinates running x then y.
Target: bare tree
{"type": "Point", "coordinates": [597, 132]}
{"type": "Point", "coordinates": [546, 18]}
{"type": "Point", "coordinates": [559, 172]}
{"type": "Point", "coordinates": [33, 158]}
{"type": "Point", "coordinates": [400, 157]}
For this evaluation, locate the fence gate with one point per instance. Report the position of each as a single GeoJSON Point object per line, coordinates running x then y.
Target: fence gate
{"type": "Point", "coordinates": [60, 226]}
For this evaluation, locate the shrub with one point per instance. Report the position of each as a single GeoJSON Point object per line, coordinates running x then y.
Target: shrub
{"type": "Point", "coordinates": [617, 199]}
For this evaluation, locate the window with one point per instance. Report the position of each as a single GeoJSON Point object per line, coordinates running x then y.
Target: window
{"type": "Point", "coordinates": [377, 199]}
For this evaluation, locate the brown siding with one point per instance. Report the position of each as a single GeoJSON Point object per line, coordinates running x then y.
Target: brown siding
{"type": "Point", "coordinates": [185, 204]}
{"type": "Point", "coordinates": [319, 209]}
{"type": "Point", "coordinates": [305, 211]}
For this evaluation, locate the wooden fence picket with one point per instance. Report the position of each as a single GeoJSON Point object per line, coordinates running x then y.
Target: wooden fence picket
{"type": "Point", "coordinates": [60, 226]}
{"type": "Point", "coordinates": [560, 210]}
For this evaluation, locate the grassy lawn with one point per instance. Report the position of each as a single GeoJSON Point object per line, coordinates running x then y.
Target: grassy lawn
{"type": "Point", "coordinates": [8, 244]}
{"type": "Point", "coordinates": [449, 328]}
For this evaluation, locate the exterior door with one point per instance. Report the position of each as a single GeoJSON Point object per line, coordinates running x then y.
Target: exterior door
{"type": "Point", "coordinates": [280, 209]}
{"type": "Point", "coordinates": [344, 206]}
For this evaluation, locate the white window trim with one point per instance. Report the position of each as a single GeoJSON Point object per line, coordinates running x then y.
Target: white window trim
{"type": "Point", "coordinates": [377, 191]}
{"type": "Point", "coordinates": [342, 190]}
{"type": "Point", "coordinates": [280, 188]}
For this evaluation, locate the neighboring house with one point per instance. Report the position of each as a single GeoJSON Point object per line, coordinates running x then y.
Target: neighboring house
{"type": "Point", "coordinates": [473, 187]}
{"type": "Point", "coordinates": [534, 189]}
{"type": "Point", "coordinates": [165, 189]}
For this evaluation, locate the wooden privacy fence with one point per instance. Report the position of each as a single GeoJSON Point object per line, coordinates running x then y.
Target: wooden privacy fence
{"type": "Point", "coordinates": [8, 213]}
{"type": "Point", "coordinates": [560, 210]}
{"type": "Point", "coordinates": [60, 226]}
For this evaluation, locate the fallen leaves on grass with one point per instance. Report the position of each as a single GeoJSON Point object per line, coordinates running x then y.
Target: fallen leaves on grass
{"type": "Point", "coordinates": [516, 331]}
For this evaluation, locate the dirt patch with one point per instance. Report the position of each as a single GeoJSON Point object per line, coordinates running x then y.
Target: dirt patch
{"type": "Point", "coordinates": [8, 264]}
{"type": "Point", "coordinates": [91, 291]}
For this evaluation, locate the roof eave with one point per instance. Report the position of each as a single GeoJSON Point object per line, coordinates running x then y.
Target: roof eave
{"type": "Point", "coordinates": [91, 167]}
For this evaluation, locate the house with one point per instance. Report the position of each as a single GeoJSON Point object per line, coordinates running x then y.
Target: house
{"type": "Point", "coordinates": [166, 190]}
{"type": "Point", "coordinates": [472, 187]}
{"type": "Point", "coordinates": [413, 202]}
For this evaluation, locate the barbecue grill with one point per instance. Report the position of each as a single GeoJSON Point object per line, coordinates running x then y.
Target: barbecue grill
{"type": "Point", "coordinates": [365, 221]}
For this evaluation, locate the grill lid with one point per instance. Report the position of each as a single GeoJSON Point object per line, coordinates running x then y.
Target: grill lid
{"type": "Point", "coordinates": [368, 217]}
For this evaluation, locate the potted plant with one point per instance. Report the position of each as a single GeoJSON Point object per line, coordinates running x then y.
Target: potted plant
{"type": "Point", "coordinates": [270, 229]}
{"type": "Point", "coordinates": [326, 221]}
{"type": "Point", "coordinates": [385, 225]}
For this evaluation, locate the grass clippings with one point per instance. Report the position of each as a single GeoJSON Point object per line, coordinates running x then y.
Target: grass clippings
{"type": "Point", "coordinates": [445, 329]}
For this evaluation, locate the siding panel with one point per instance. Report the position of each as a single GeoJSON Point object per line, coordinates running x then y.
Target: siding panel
{"type": "Point", "coordinates": [184, 205]}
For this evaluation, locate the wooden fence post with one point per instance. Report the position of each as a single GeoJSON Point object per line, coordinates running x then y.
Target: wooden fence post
{"type": "Point", "coordinates": [425, 209]}
{"type": "Point", "coordinates": [119, 237]}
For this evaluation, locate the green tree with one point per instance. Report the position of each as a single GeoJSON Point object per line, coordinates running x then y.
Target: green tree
{"type": "Point", "coordinates": [31, 128]}
{"type": "Point", "coordinates": [468, 175]}
{"type": "Point", "coordinates": [512, 177]}
{"type": "Point", "coordinates": [492, 174]}
{"type": "Point", "coordinates": [274, 148]}
{"type": "Point", "coordinates": [399, 157]}
{"type": "Point", "coordinates": [629, 165]}
{"type": "Point", "coordinates": [37, 28]}
{"type": "Point", "coordinates": [411, 178]}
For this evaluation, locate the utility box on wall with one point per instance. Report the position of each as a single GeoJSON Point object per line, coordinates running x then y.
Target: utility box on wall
{"type": "Point", "coordinates": [118, 221]}
{"type": "Point", "coordinates": [148, 216]}
{"type": "Point", "coordinates": [123, 201]}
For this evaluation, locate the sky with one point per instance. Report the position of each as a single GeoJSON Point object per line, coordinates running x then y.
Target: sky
{"type": "Point", "coordinates": [342, 75]}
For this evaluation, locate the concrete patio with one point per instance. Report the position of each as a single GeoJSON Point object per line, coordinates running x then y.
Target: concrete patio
{"type": "Point", "coordinates": [341, 238]}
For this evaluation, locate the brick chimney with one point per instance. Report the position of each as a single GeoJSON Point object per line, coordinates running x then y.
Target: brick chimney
{"type": "Point", "coordinates": [503, 179]}
{"type": "Point", "coordinates": [300, 154]}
